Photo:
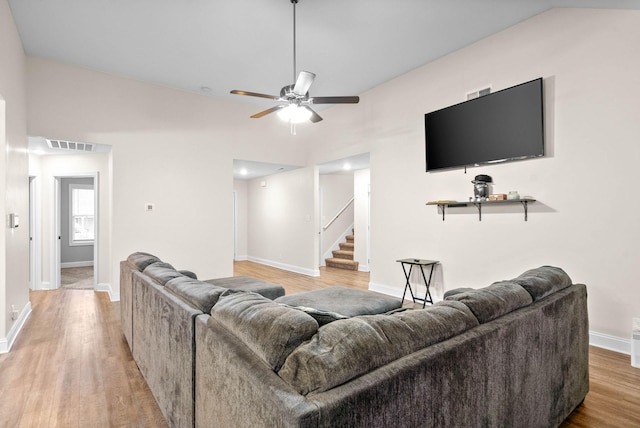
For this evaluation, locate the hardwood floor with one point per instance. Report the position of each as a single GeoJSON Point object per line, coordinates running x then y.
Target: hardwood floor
{"type": "Point", "coordinates": [71, 367]}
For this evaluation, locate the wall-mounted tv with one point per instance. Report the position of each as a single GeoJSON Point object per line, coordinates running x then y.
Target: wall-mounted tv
{"type": "Point", "coordinates": [502, 126]}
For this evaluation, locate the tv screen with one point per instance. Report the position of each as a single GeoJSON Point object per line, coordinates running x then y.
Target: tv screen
{"type": "Point", "coordinates": [501, 126]}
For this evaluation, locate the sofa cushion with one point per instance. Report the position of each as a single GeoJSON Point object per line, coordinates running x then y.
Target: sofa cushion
{"type": "Point", "coordinates": [142, 260]}
{"type": "Point", "coordinates": [457, 291]}
{"type": "Point", "coordinates": [494, 301]}
{"type": "Point", "coordinates": [348, 348]}
{"type": "Point", "coordinates": [349, 302]}
{"type": "Point", "coordinates": [198, 294]}
{"type": "Point", "coordinates": [161, 272]}
{"type": "Point", "coordinates": [542, 281]}
{"type": "Point", "coordinates": [248, 283]}
{"type": "Point", "coordinates": [270, 330]}
{"type": "Point", "coordinates": [322, 317]}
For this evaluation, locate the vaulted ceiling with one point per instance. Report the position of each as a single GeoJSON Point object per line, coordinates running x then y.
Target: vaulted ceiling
{"type": "Point", "coordinates": [214, 46]}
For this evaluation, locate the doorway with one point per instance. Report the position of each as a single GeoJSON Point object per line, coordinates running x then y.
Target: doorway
{"type": "Point", "coordinates": [75, 240]}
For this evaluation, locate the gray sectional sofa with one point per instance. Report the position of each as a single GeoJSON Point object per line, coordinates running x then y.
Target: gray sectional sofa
{"type": "Point", "coordinates": [159, 305]}
{"type": "Point", "coordinates": [513, 354]}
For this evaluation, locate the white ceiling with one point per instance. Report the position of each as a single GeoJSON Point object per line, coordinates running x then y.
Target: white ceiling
{"type": "Point", "coordinates": [352, 45]}
{"type": "Point", "coordinates": [248, 170]}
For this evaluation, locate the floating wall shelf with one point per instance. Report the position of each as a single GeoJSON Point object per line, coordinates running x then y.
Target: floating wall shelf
{"type": "Point", "coordinates": [455, 204]}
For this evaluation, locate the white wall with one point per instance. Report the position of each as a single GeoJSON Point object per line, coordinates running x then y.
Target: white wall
{"type": "Point", "coordinates": [175, 149]}
{"type": "Point", "coordinates": [337, 190]}
{"type": "Point", "coordinates": [242, 205]}
{"type": "Point", "coordinates": [586, 218]}
{"type": "Point", "coordinates": [169, 148]}
{"type": "Point", "coordinates": [283, 221]}
{"type": "Point", "coordinates": [14, 182]}
{"type": "Point", "coordinates": [361, 180]}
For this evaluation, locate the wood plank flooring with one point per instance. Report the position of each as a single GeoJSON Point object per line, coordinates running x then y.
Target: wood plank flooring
{"type": "Point", "coordinates": [71, 367]}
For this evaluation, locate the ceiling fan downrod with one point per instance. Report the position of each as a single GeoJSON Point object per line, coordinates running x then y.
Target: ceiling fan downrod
{"type": "Point", "coordinates": [294, 3]}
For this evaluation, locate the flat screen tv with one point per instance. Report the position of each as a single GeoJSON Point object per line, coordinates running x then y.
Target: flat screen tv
{"type": "Point", "coordinates": [502, 126]}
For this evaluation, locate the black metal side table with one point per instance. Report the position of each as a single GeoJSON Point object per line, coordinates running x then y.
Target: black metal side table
{"type": "Point", "coordinates": [421, 263]}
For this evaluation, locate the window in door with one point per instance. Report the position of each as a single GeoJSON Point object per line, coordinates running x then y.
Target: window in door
{"type": "Point", "coordinates": [82, 216]}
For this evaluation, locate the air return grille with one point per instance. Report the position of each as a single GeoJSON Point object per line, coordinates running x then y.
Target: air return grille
{"type": "Point", "coordinates": [70, 145]}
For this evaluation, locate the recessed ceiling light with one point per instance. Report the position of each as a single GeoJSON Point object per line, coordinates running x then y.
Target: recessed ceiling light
{"type": "Point", "coordinates": [346, 166]}
{"type": "Point", "coordinates": [243, 171]}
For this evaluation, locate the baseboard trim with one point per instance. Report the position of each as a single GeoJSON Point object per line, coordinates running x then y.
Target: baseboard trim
{"type": "Point", "coordinates": [385, 289]}
{"type": "Point", "coordinates": [241, 258]}
{"type": "Point", "coordinates": [363, 268]}
{"type": "Point", "coordinates": [106, 288]}
{"type": "Point", "coordinates": [283, 266]}
{"type": "Point", "coordinates": [612, 343]}
{"type": "Point", "coordinates": [7, 343]}
{"type": "Point", "coordinates": [76, 264]}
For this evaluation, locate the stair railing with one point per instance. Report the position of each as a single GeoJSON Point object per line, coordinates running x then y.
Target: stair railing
{"type": "Point", "coordinates": [338, 215]}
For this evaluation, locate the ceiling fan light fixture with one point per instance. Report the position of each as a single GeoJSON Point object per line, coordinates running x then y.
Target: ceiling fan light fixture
{"type": "Point", "coordinates": [295, 99]}
{"type": "Point", "coordinates": [294, 114]}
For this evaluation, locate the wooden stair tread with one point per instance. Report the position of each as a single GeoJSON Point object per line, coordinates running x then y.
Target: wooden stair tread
{"type": "Point", "coordinates": [342, 263]}
{"type": "Point", "coordinates": [343, 254]}
{"type": "Point", "coordinates": [347, 246]}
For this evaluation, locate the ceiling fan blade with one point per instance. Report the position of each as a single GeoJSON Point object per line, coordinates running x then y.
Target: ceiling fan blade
{"type": "Point", "coordinates": [254, 94]}
{"type": "Point", "coordinates": [267, 111]}
{"type": "Point", "coordinates": [315, 117]}
{"type": "Point", "coordinates": [335, 100]}
{"type": "Point", "coordinates": [305, 79]}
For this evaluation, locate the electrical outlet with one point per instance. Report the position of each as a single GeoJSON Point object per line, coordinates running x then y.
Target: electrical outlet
{"type": "Point", "coordinates": [14, 313]}
{"type": "Point", "coordinates": [636, 324]}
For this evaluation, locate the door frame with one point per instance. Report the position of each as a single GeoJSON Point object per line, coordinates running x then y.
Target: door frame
{"type": "Point", "coordinates": [35, 234]}
{"type": "Point", "coordinates": [57, 224]}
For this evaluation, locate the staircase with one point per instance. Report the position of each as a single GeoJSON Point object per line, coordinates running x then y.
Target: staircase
{"type": "Point", "coordinates": [343, 258]}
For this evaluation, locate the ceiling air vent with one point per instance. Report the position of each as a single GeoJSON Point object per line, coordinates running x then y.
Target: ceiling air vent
{"type": "Point", "coordinates": [70, 145]}
{"type": "Point", "coordinates": [479, 93]}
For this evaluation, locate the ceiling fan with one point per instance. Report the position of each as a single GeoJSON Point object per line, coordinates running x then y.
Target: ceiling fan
{"type": "Point", "coordinates": [294, 100]}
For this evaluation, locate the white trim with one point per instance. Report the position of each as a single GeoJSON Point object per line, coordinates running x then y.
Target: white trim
{"type": "Point", "coordinates": [290, 268]}
{"type": "Point", "coordinates": [35, 233]}
{"type": "Point", "coordinates": [385, 289]}
{"type": "Point", "coordinates": [241, 258]}
{"type": "Point", "coordinates": [45, 285]}
{"type": "Point", "coordinates": [106, 288]}
{"type": "Point", "coordinates": [363, 268]}
{"type": "Point", "coordinates": [7, 343]}
{"type": "Point", "coordinates": [235, 225]}
{"type": "Point", "coordinates": [76, 264]}
{"type": "Point", "coordinates": [611, 343]}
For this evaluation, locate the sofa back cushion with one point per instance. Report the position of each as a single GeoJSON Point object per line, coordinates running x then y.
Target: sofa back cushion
{"type": "Point", "coordinates": [198, 294]}
{"type": "Point", "coordinates": [142, 260]}
{"type": "Point", "coordinates": [270, 330]}
{"type": "Point", "coordinates": [345, 349]}
{"type": "Point", "coordinates": [542, 281]}
{"type": "Point", "coordinates": [494, 301]}
{"type": "Point", "coordinates": [161, 272]}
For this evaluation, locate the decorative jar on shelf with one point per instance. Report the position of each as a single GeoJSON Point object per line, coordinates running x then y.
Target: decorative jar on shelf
{"type": "Point", "coordinates": [513, 195]}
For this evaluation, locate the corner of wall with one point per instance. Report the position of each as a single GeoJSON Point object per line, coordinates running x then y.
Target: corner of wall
{"type": "Point", "coordinates": [7, 342]}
